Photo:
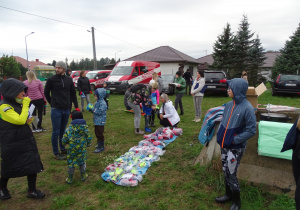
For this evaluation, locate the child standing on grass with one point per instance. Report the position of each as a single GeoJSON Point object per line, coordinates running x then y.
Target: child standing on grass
{"type": "Point", "coordinates": [155, 101]}
{"type": "Point", "coordinates": [78, 137]}
{"type": "Point", "coordinates": [237, 126]}
{"type": "Point", "coordinates": [99, 111]}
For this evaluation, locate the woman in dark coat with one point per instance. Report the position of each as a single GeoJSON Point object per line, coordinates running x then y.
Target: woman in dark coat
{"type": "Point", "coordinates": [84, 88]}
{"type": "Point", "coordinates": [19, 151]}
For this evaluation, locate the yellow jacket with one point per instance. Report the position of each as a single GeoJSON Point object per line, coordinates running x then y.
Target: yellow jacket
{"type": "Point", "coordinates": [8, 114]}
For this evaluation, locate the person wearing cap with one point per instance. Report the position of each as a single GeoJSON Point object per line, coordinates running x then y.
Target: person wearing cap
{"type": "Point", "coordinates": [237, 126]}
{"type": "Point", "coordinates": [19, 151]}
{"type": "Point", "coordinates": [179, 90]}
{"type": "Point", "coordinates": [59, 91]}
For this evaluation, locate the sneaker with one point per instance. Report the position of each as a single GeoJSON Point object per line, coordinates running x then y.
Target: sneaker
{"type": "Point", "coordinates": [198, 120]}
{"type": "Point", "coordinates": [42, 129]}
{"type": "Point", "coordinates": [140, 132]}
{"type": "Point", "coordinates": [194, 120]}
{"type": "Point", "coordinates": [38, 130]}
{"type": "Point", "coordinates": [60, 157]}
{"type": "Point", "coordinates": [33, 130]}
{"type": "Point", "coordinates": [84, 176]}
{"type": "Point", "coordinates": [148, 130]}
{"type": "Point", "coordinates": [152, 124]}
{"type": "Point", "coordinates": [36, 194]}
{"type": "Point", "coordinates": [4, 194]}
{"type": "Point", "coordinates": [64, 152]}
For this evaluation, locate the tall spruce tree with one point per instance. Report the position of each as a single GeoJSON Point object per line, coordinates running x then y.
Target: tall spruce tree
{"type": "Point", "coordinates": [256, 59]}
{"type": "Point", "coordinates": [242, 45]}
{"type": "Point", "coordinates": [223, 48]}
{"type": "Point", "coordinates": [289, 60]}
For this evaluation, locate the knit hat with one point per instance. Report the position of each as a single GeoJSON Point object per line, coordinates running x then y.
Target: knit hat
{"type": "Point", "coordinates": [178, 73]}
{"type": "Point", "coordinates": [76, 115]}
{"type": "Point", "coordinates": [61, 64]}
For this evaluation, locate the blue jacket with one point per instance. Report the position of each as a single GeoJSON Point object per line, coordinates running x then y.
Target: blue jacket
{"type": "Point", "coordinates": [100, 107]}
{"type": "Point", "coordinates": [291, 139]}
{"type": "Point", "coordinates": [239, 121]}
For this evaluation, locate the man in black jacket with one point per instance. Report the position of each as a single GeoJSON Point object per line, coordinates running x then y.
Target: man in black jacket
{"type": "Point", "coordinates": [62, 92]}
{"type": "Point", "coordinates": [188, 80]}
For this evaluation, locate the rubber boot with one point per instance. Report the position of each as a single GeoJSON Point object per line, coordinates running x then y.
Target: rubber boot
{"type": "Point", "coordinates": [225, 198]}
{"type": "Point", "coordinates": [84, 176]}
{"type": "Point", "coordinates": [100, 147]}
{"type": "Point", "coordinates": [236, 201]}
{"type": "Point", "coordinates": [69, 179]}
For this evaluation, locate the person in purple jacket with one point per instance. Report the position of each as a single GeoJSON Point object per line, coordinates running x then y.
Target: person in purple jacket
{"type": "Point", "coordinates": [36, 93]}
{"type": "Point", "coordinates": [237, 126]}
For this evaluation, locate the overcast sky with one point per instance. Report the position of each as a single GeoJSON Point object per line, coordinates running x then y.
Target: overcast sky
{"type": "Point", "coordinates": [136, 26]}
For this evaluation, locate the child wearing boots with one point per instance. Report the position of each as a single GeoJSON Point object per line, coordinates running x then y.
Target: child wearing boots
{"type": "Point", "coordinates": [99, 112]}
{"type": "Point", "coordinates": [19, 152]}
{"type": "Point", "coordinates": [237, 126]}
{"type": "Point", "coordinates": [78, 137]}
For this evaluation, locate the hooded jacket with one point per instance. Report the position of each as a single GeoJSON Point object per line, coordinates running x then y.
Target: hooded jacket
{"type": "Point", "coordinates": [239, 121]}
{"type": "Point", "coordinates": [19, 151]}
{"type": "Point", "coordinates": [78, 137]}
{"type": "Point", "coordinates": [100, 107]}
{"type": "Point", "coordinates": [62, 92]}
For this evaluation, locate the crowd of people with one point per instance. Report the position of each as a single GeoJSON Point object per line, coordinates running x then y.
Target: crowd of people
{"type": "Point", "coordinates": [20, 156]}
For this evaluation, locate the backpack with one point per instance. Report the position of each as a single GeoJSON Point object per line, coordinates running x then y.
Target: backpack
{"type": "Point", "coordinates": [137, 87]}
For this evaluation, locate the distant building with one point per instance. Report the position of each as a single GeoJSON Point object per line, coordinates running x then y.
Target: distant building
{"type": "Point", "coordinates": [41, 70]}
{"type": "Point", "coordinates": [169, 59]}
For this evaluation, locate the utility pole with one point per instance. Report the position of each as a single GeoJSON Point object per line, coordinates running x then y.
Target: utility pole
{"type": "Point", "coordinates": [94, 49]}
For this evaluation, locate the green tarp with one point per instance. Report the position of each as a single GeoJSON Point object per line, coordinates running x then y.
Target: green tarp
{"type": "Point", "coordinates": [271, 138]}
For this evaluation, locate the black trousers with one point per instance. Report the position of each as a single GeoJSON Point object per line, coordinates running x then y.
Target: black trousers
{"type": "Point", "coordinates": [31, 179]}
{"type": "Point", "coordinates": [296, 172]}
{"type": "Point", "coordinates": [99, 131]}
{"type": "Point", "coordinates": [39, 106]}
{"type": "Point", "coordinates": [178, 101]}
{"type": "Point", "coordinates": [165, 122]}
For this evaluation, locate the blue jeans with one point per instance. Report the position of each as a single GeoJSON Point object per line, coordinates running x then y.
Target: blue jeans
{"type": "Point", "coordinates": [59, 118]}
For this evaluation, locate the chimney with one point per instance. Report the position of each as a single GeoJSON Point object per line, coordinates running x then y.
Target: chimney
{"type": "Point", "coordinates": [36, 60]}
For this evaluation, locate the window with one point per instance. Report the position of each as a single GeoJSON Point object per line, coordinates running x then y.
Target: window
{"type": "Point", "coordinates": [143, 69]}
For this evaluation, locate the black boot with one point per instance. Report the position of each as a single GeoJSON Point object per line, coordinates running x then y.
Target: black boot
{"type": "Point", "coordinates": [225, 198]}
{"type": "Point", "coordinates": [236, 201]}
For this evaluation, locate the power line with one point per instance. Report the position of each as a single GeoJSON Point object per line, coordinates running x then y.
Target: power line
{"type": "Point", "coordinates": [70, 24]}
{"type": "Point", "coordinates": [45, 17]}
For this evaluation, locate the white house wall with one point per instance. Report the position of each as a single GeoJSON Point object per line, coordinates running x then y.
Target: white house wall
{"type": "Point", "coordinates": [172, 68]}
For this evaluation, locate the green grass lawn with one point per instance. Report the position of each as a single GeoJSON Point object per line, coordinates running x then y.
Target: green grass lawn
{"type": "Point", "coordinates": [174, 182]}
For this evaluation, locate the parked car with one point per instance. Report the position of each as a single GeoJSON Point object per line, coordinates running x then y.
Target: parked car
{"type": "Point", "coordinates": [216, 81]}
{"type": "Point", "coordinates": [97, 78]}
{"type": "Point", "coordinates": [167, 79]}
{"type": "Point", "coordinates": [286, 83]}
{"type": "Point", "coordinates": [75, 76]}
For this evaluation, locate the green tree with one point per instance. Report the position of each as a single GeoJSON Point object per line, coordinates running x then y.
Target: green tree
{"type": "Point", "coordinates": [223, 48]}
{"type": "Point", "coordinates": [256, 60]}
{"type": "Point", "coordinates": [289, 60]}
{"type": "Point", "coordinates": [242, 45]}
{"type": "Point", "coordinates": [74, 65]}
{"type": "Point", "coordinates": [9, 66]}
{"type": "Point", "coordinates": [23, 70]}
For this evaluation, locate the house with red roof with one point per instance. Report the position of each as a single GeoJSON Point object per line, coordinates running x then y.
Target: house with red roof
{"type": "Point", "coordinates": [31, 64]}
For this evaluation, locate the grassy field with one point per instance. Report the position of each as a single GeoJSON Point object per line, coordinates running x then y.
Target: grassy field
{"type": "Point", "coordinates": [174, 182]}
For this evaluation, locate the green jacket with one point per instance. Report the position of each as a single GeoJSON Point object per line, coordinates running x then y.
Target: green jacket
{"type": "Point", "coordinates": [182, 83]}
